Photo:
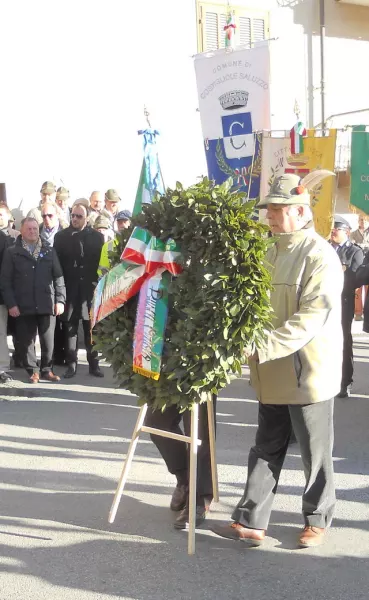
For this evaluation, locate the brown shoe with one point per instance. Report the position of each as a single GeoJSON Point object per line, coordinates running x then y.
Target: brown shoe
{"type": "Point", "coordinates": [236, 531]}
{"type": "Point", "coordinates": [35, 378]}
{"type": "Point", "coordinates": [311, 536]}
{"type": "Point", "coordinates": [178, 501]}
{"type": "Point", "coordinates": [50, 376]}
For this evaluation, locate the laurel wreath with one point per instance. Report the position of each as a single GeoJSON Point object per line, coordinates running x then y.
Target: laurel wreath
{"type": "Point", "coordinates": [218, 305]}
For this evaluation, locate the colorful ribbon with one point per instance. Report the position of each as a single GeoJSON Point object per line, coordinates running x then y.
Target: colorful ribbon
{"type": "Point", "coordinates": [146, 267]}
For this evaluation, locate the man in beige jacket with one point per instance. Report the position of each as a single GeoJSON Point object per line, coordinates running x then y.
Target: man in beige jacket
{"type": "Point", "coordinates": [297, 371]}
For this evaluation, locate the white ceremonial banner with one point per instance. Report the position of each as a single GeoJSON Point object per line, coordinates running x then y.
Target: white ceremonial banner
{"type": "Point", "coordinates": [234, 103]}
{"type": "Point", "coordinates": [274, 160]}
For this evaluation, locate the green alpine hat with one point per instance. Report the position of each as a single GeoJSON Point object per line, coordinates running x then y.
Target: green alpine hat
{"type": "Point", "coordinates": [112, 196]}
{"type": "Point", "coordinates": [102, 222]}
{"type": "Point", "coordinates": [286, 189]}
{"type": "Point", "coordinates": [62, 193]}
{"type": "Point", "coordinates": [48, 188]}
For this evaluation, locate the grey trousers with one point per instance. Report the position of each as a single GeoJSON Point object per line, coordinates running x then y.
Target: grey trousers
{"type": "Point", "coordinates": [313, 426]}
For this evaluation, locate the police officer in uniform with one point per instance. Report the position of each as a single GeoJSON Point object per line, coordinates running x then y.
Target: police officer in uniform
{"type": "Point", "coordinates": [351, 257]}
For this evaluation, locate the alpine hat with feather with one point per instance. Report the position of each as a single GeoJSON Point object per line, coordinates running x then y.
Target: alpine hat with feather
{"type": "Point", "coordinates": [291, 189]}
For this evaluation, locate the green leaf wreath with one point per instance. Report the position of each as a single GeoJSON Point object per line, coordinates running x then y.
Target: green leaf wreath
{"type": "Point", "coordinates": [218, 304]}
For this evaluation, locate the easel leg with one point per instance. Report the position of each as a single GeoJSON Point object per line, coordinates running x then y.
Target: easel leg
{"type": "Point", "coordinates": [193, 478]}
{"type": "Point", "coordinates": [213, 460]}
{"type": "Point", "coordinates": [128, 462]}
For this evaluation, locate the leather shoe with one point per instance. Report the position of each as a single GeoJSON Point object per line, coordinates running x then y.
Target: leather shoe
{"type": "Point", "coordinates": [344, 393]}
{"type": "Point", "coordinates": [70, 372]}
{"type": "Point", "coordinates": [179, 497]}
{"type": "Point", "coordinates": [182, 521]}
{"type": "Point", "coordinates": [35, 378]}
{"type": "Point", "coordinates": [96, 371]}
{"type": "Point", "coordinates": [50, 376]}
{"type": "Point", "coordinates": [311, 536]}
{"type": "Point", "coordinates": [236, 531]}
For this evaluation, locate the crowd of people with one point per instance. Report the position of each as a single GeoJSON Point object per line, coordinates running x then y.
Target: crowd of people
{"type": "Point", "coordinates": [49, 270]}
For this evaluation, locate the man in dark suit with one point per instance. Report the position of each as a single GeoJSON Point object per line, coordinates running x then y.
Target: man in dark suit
{"type": "Point", "coordinates": [79, 248]}
{"type": "Point", "coordinates": [33, 289]}
{"type": "Point", "coordinates": [351, 257]}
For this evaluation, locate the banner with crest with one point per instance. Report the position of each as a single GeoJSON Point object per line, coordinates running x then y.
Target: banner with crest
{"type": "Point", "coordinates": [319, 153]}
{"type": "Point", "coordinates": [234, 103]}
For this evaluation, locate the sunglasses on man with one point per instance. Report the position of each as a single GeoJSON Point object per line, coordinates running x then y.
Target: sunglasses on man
{"type": "Point", "coordinates": [75, 216]}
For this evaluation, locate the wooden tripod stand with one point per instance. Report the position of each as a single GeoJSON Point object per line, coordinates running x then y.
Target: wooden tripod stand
{"type": "Point", "coordinates": [194, 442]}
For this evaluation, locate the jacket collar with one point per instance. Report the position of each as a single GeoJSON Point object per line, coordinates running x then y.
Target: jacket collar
{"type": "Point", "coordinates": [286, 241]}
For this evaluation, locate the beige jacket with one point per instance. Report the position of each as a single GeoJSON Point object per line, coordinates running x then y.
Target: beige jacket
{"type": "Point", "coordinates": [301, 361]}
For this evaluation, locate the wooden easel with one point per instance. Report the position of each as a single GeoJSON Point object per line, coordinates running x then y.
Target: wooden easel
{"type": "Point", "coordinates": [194, 442]}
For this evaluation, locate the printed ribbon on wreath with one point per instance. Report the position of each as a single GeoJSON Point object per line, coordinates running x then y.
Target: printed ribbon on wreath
{"type": "Point", "coordinates": [147, 266]}
{"type": "Point", "coordinates": [297, 134]}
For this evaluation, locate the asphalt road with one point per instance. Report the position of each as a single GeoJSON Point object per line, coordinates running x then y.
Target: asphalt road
{"type": "Point", "coordinates": [62, 450]}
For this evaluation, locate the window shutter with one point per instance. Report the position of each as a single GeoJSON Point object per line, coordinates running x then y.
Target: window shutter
{"type": "Point", "coordinates": [251, 26]}
{"type": "Point", "coordinates": [245, 31]}
{"type": "Point", "coordinates": [258, 33]}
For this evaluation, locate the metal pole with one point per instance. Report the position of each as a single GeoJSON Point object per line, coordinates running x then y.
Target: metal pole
{"type": "Point", "coordinates": [322, 62]}
{"type": "Point", "coordinates": [193, 478]}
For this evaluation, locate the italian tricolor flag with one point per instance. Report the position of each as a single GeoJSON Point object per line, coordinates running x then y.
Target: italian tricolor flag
{"type": "Point", "coordinates": [297, 138]}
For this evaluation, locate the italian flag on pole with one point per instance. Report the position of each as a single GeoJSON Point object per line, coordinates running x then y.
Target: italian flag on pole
{"type": "Point", "coordinates": [143, 195]}
{"type": "Point", "coordinates": [151, 180]}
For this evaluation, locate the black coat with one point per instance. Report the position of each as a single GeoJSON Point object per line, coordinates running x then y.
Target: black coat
{"type": "Point", "coordinates": [351, 257]}
{"type": "Point", "coordinates": [362, 278]}
{"type": "Point", "coordinates": [79, 255]}
{"type": "Point", "coordinates": [6, 241]}
{"type": "Point", "coordinates": [35, 286]}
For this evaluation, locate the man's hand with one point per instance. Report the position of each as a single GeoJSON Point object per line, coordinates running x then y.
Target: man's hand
{"type": "Point", "coordinates": [14, 311]}
{"type": "Point", "coordinates": [250, 353]}
{"type": "Point", "coordinates": [59, 309]}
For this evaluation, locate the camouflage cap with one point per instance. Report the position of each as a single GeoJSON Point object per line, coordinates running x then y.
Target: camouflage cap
{"type": "Point", "coordinates": [284, 190]}
{"type": "Point", "coordinates": [62, 193]}
{"type": "Point", "coordinates": [48, 188]}
{"type": "Point", "coordinates": [102, 222]}
{"type": "Point", "coordinates": [112, 196]}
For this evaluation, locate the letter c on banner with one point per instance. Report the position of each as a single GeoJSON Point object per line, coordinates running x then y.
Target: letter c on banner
{"type": "Point", "coordinates": [231, 133]}
{"type": "Point", "coordinates": [365, 178]}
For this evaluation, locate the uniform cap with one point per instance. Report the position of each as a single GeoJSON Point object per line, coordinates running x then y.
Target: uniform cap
{"type": "Point", "coordinates": [112, 196]}
{"type": "Point", "coordinates": [48, 188]}
{"type": "Point", "coordinates": [102, 222]}
{"type": "Point", "coordinates": [286, 190]}
{"type": "Point", "coordinates": [123, 215]}
{"type": "Point", "coordinates": [341, 222]}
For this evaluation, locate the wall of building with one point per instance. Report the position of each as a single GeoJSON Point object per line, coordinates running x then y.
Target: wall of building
{"type": "Point", "coordinates": [76, 76]}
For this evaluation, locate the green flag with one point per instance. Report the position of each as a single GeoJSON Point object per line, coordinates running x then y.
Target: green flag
{"type": "Point", "coordinates": [359, 196]}
{"type": "Point", "coordinates": [143, 192]}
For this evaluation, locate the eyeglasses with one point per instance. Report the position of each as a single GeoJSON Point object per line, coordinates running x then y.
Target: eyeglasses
{"type": "Point", "coordinates": [75, 216]}
{"type": "Point", "coordinates": [48, 215]}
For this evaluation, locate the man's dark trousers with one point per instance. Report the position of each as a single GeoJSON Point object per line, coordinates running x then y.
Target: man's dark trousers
{"type": "Point", "coordinates": [71, 340]}
{"type": "Point", "coordinates": [175, 453]}
{"type": "Point", "coordinates": [348, 310]}
{"type": "Point", "coordinates": [313, 426]}
{"type": "Point", "coordinates": [27, 327]}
